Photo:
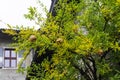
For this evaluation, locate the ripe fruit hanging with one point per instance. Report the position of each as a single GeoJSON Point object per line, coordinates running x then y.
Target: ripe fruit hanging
{"type": "Point", "coordinates": [32, 38]}
{"type": "Point", "coordinates": [59, 40]}
{"type": "Point", "coordinates": [100, 52]}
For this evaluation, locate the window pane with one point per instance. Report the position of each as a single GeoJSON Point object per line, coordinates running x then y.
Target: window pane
{"type": "Point", "coordinates": [1, 52]}
{"type": "Point", "coordinates": [13, 63]}
{"type": "Point", "coordinates": [7, 53]}
{"type": "Point", "coordinates": [1, 61]}
{"type": "Point", "coordinates": [7, 63]}
{"type": "Point", "coordinates": [21, 53]}
{"type": "Point", "coordinates": [23, 65]}
{"type": "Point", "coordinates": [13, 54]}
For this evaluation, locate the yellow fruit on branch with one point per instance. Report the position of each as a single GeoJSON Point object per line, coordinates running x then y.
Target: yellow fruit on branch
{"type": "Point", "coordinates": [75, 30]}
{"type": "Point", "coordinates": [59, 40]}
{"type": "Point", "coordinates": [32, 38]}
{"type": "Point", "coordinates": [100, 52]}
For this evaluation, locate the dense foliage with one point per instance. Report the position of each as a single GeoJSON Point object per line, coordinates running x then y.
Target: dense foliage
{"type": "Point", "coordinates": [84, 37]}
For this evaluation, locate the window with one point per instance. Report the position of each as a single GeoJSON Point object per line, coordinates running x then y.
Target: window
{"type": "Point", "coordinates": [1, 52]}
{"type": "Point", "coordinates": [1, 57]}
{"type": "Point", "coordinates": [10, 58]}
{"type": "Point", "coordinates": [20, 55]}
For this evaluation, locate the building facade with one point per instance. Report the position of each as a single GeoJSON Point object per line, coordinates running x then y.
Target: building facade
{"type": "Point", "coordinates": [9, 59]}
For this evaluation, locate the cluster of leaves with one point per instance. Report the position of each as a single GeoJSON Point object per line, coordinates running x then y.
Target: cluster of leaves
{"type": "Point", "coordinates": [84, 36]}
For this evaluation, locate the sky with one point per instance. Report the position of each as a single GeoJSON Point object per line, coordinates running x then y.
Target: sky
{"type": "Point", "coordinates": [12, 11]}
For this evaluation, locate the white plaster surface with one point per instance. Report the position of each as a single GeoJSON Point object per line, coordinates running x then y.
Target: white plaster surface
{"type": "Point", "coordinates": [11, 74]}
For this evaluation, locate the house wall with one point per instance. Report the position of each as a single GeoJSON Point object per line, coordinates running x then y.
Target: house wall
{"type": "Point", "coordinates": [3, 44]}
{"type": "Point", "coordinates": [29, 58]}
{"type": "Point", "coordinates": [11, 74]}
{"type": "Point", "coordinates": [8, 73]}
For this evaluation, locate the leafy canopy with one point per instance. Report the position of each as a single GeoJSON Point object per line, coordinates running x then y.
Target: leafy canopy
{"type": "Point", "coordinates": [84, 36]}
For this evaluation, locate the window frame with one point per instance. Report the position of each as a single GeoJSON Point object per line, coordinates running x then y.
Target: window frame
{"type": "Point", "coordinates": [10, 58]}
